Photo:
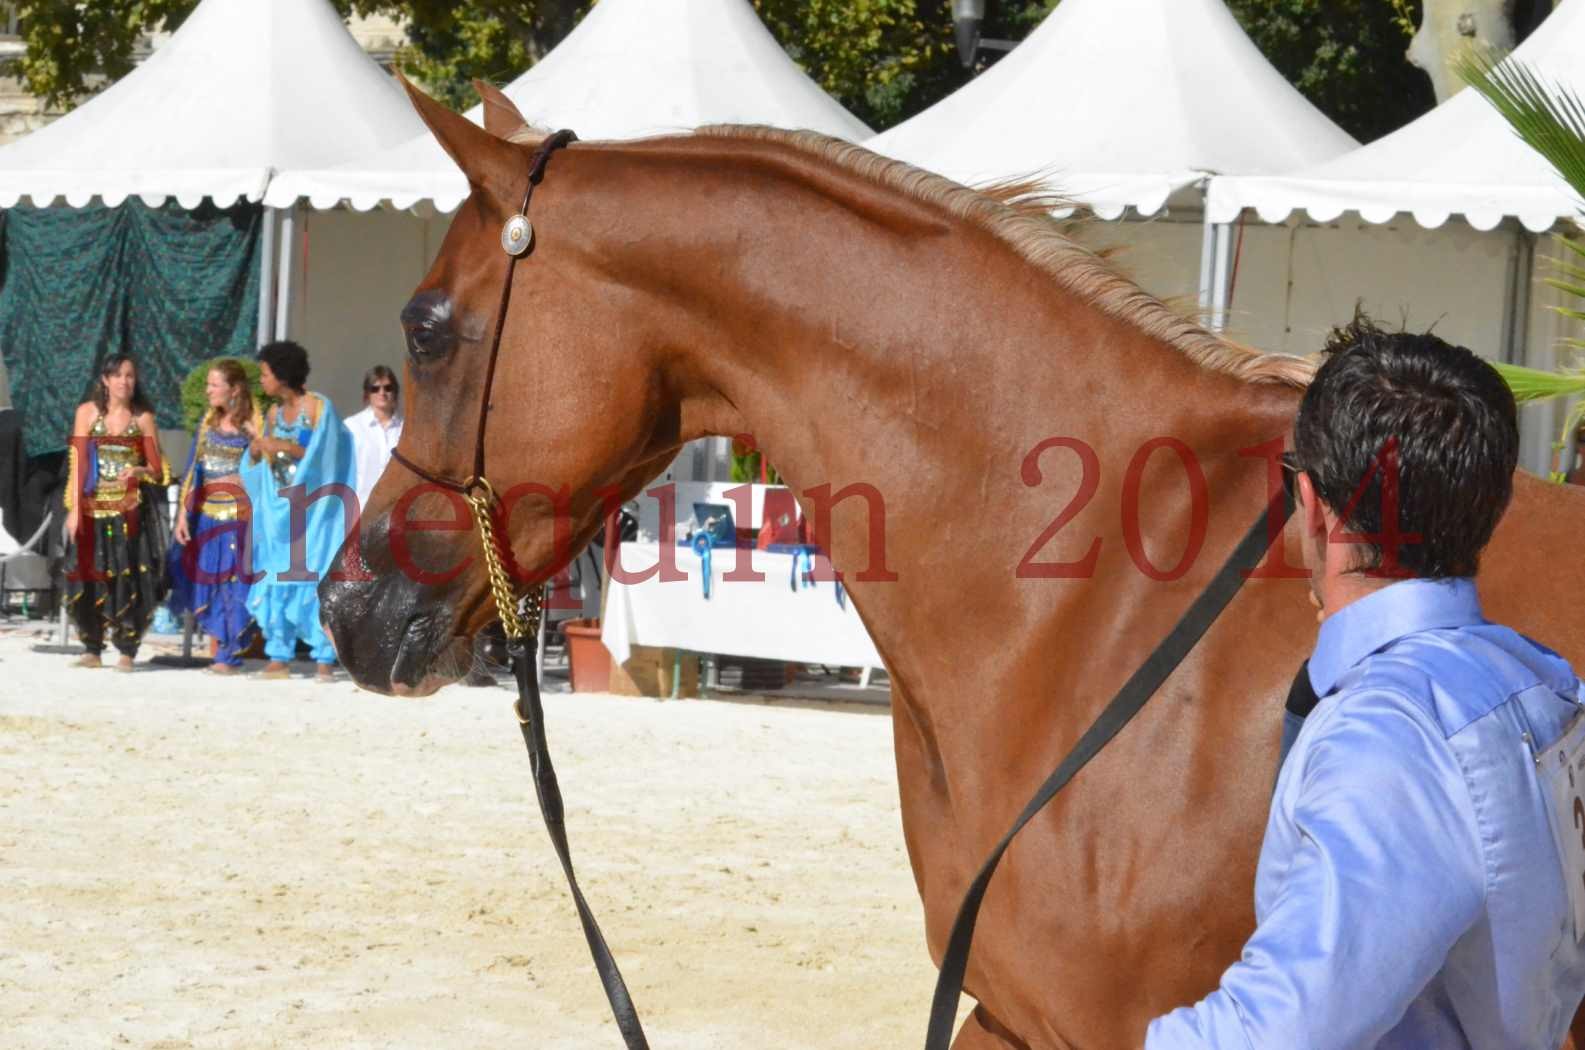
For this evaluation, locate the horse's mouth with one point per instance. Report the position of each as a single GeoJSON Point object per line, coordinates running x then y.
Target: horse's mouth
{"type": "Point", "coordinates": [415, 660]}
{"type": "Point", "coordinates": [427, 659]}
{"type": "Point", "coordinates": [426, 686]}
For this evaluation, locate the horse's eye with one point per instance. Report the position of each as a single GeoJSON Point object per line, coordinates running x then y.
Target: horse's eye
{"type": "Point", "coordinates": [426, 320]}
{"type": "Point", "coordinates": [429, 340]}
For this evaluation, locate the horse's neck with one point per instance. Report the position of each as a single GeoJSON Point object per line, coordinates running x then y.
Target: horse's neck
{"type": "Point", "coordinates": [865, 339]}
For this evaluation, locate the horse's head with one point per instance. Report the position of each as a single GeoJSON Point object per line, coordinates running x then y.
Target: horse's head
{"type": "Point", "coordinates": [576, 418]}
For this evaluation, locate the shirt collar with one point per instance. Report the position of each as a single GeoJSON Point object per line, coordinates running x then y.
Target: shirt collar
{"type": "Point", "coordinates": [1377, 620]}
{"type": "Point", "coordinates": [372, 420]}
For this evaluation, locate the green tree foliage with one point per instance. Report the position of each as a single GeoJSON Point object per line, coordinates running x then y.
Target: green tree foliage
{"type": "Point", "coordinates": [887, 59]}
{"type": "Point", "coordinates": [884, 59]}
{"type": "Point", "coordinates": [68, 43]}
{"type": "Point", "coordinates": [1346, 56]}
{"type": "Point", "coordinates": [452, 44]}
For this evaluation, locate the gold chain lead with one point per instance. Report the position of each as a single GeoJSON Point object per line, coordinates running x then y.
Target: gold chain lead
{"type": "Point", "coordinates": [481, 497]}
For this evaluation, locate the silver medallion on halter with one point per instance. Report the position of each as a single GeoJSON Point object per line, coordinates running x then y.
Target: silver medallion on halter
{"type": "Point", "coordinates": [517, 235]}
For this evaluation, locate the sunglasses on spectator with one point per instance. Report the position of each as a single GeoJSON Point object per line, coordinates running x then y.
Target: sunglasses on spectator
{"type": "Point", "coordinates": [380, 388]}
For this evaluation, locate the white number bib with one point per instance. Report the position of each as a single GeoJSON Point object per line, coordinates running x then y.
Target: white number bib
{"type": "Point", "coordinates": [1562, 769]}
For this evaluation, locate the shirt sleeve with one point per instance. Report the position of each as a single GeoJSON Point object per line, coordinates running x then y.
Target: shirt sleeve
{"type": "Point", "coordinates": [1385, 874]}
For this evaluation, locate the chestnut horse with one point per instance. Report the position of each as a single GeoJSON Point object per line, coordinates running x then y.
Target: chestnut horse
{"type": "Point", "coordinates": [876, 325]}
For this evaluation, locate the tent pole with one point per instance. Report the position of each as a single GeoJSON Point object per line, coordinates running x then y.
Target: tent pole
{"type": "Point", "coordinates": [1516, 303]}
{"type": "Point", "coordinates": [283, 304]}
{"type": "Point", "coordinates": [266, 276]}
{"type": "Point", "coordinates": [1538, 426]}
{"type": "Point", "coordinates": [1207, 261]}
{"type": "Point", "coordinates": [1224, 267]}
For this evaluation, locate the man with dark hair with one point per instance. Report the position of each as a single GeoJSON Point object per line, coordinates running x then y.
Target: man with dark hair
{"type": "Point", "coordinates": [1417, 889]}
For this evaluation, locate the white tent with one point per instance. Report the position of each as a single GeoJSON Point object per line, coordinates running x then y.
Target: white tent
{"type": "Point", "coordinates": [631, 68]}
{"type": "Point", "coordinates": [1123, 103]}
{"type": "Point", "coordinates": [1378, 229]}
{"type": "Point", "coordinates": [243, 90]}
{"type": "Point", "coordinates": [1459, 159]}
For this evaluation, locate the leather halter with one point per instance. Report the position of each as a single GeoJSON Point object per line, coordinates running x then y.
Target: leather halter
{"type": "Point", "coordinates": [536, 173]}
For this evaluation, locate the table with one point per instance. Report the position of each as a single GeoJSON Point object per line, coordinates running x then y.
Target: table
{"type": "Point", "coordinates": [765, 619]}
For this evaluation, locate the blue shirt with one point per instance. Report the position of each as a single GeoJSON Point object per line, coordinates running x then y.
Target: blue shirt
{"type": "Point", "coordinates": [1410, 894]}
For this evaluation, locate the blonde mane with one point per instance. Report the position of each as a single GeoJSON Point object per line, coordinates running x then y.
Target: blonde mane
{"type": "Point", "coordinates": [1018, 213]}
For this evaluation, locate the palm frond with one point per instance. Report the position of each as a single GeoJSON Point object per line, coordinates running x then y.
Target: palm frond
{"type": "Point", "coordinates": [1565, 287]}
{"type": "Point", "coordinates": [1550, 118]}
{"type": "Point", "coordinates": [1573, 245]}
{"type": "Point", "coordinates": [1567, 270]}
{"type": "Point", "coordinates": [1536, 384]}
{"type": "Point", "coordinates": [1571, 425]}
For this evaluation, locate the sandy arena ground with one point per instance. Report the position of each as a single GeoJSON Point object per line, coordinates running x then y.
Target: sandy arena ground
{"type": "Point", "coordinates": [189, 861]}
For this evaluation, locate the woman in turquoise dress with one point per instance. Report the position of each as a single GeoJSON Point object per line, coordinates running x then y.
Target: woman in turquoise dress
{"type": "Point", "coordinates": [301, 454]}
{"type": "Point", "coordinates": [209, 570]}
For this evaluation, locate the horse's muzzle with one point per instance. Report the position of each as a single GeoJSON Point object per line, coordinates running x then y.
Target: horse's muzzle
{"type": "Point", "coordinates": [390, 634]}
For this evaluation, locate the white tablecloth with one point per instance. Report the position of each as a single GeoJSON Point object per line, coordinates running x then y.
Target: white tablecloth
{"type": "Point", "coordinates": [767, 619]}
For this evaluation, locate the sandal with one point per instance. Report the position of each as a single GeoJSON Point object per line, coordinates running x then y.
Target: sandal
{"type": "Point", "coordinates": [88, 660]}
{"type": "Point", "coordinates": [275, 669]}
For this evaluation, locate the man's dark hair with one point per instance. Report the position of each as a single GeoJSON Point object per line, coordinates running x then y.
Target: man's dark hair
{"type": "Point", "coordinates": [1442, 413]}
{"type": "Point", "coordinates": [288, 361]}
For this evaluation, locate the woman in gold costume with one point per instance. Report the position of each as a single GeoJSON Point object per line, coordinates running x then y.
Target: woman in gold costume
{"type": "Point", "coordinates": [115, 518]}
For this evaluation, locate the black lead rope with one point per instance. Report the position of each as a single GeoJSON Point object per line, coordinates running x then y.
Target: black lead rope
{"type": "Point", "coordinates": [949, 984]}
{"type": "Point", "coordinates": [1124, 706]}
{"type": "Point", "coordinates": [531, 716]}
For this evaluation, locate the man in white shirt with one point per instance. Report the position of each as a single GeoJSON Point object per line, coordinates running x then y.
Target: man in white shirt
{"type": "Point", "coordinates": [375, 430]}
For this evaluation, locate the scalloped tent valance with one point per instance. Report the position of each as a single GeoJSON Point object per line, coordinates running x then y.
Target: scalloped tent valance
{"type": "Point", "coordinates": [1459, 159]}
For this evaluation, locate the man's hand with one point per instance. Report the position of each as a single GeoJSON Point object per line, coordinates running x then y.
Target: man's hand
{"type": "Point", "coordinates": [181, 534]}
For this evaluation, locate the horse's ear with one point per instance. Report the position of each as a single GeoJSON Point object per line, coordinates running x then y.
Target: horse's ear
{"type": "Point", "coordinates": [490, 163]}
{"type": "Point", "coordinates": [501, 116]}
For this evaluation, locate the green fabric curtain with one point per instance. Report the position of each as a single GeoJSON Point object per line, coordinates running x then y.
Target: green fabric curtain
{"type": "Point", "coordinates": [169, 286]}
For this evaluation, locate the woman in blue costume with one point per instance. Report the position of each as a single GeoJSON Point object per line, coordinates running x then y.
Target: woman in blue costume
{"type": "Point", "coordinates": [209, 569]}
{"type": "Point", "coordinates": [302, 454]}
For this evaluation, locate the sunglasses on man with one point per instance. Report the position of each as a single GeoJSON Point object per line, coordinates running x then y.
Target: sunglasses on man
{"type": "Point", "coordinates": [380, 388]}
